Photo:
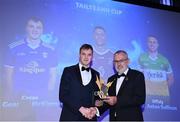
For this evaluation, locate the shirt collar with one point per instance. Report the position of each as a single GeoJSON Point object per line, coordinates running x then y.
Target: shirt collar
{"type": "Point", "coordinates": [33, 46]}
{"type": "Point", "coordinates": [80, 65]}
{"type": "Point", "coordinates": [125, 72]}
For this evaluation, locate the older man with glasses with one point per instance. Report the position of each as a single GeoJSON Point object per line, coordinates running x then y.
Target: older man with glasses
{"type": "Point", "coordinates": [127, 92]}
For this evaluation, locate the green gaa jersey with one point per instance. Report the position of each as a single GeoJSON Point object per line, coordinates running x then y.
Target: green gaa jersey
{"type": "Point", "coordinates": [155, 72]}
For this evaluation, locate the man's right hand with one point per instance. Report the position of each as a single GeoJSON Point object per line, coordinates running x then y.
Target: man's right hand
{"type": "Point", "coordinates": [88, 112]}
{"type": "Point", "coordinates": [111, 100]}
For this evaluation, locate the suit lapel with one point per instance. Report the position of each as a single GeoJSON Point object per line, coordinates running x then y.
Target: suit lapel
{"type": "Point", "coordinates": [113, 90]}
{"type": "Point", "coordinates": [114, 87]}
{"type": "Point", "coordinates": [125, 81]}
{"type": "Point", "coordinates": [78, 73]}
{"type": "Point", "coordinates": [93, 74]}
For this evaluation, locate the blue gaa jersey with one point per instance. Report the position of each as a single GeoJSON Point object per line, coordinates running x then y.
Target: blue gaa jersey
{"type": "Point", "coordinates": [31, 67]}
{"type": "Point", "coordinates": [103, 63]}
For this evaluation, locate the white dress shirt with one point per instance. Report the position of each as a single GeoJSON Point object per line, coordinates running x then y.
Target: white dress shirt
{"type": "Point", "coordinates": [120, 81]}
{"type": "Point", "coordinates": [85, 75]}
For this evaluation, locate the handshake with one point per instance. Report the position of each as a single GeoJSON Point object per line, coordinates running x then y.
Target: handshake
{"type": "Point", "coordinates": [88, 112]}
{"type": "Point", "coordinates": [92, 111]}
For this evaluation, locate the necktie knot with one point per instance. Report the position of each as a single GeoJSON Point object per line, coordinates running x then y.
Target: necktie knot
{"type": "Point", "coordinates": [121, 75]}
{"type": "Point", "coordinates": [87, 69]}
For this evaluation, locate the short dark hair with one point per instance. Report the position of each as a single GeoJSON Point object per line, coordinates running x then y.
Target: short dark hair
{"type": "Point", "coordinates": [100, 27]}
{"type": "Point", "coordinates": [121, 51]}
{"type": "Point", "coordinates": [86, 47]}
{"type": "Point", "coordinates": [35, 19]}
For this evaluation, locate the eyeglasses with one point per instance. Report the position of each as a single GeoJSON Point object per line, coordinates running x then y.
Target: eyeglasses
{"type": "Point", "coordinates": [120, 61]}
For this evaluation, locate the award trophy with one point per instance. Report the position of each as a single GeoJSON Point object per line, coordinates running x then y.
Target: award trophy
{"type": "Point", "coordinates": [103, 88]}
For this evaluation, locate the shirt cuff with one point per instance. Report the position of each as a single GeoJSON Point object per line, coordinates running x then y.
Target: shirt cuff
{"type": "Point", "coordinates": [97, 112]}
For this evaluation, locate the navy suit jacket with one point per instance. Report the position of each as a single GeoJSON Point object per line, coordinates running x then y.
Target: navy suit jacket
{"type": "Point", "coordinates": [130, 98]}
{"type": "Point", "coordinates": [70, 93]}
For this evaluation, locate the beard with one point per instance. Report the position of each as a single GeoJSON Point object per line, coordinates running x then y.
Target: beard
{"type": "Point", "coordinates": [122, 70]}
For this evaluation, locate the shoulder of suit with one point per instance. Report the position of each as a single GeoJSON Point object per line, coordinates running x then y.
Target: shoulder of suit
{"type": "Point", "coordinates": [71, 67]}
{"type": "Point", "coordinates": [135, 71]}
{"type": "Point", "coordinates": [112, 77]}
{"type": "Point", "coordinates": [95, 71]}
{"type": "Point", "coordinates": [16, 44]}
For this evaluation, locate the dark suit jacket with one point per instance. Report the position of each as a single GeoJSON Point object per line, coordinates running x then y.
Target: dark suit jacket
{"type": "Point", "coordinates": [71, 89]}
{"type": "Point", "coordinates": [130, 98]}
